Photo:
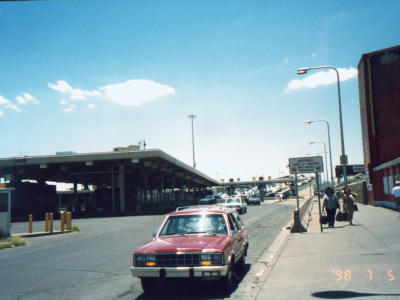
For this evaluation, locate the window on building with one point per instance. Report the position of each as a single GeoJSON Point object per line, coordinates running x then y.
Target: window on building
{"type": "Point", "coordinates": [385, 185]}
{"type": "Point", "coordinates": [390, 184]}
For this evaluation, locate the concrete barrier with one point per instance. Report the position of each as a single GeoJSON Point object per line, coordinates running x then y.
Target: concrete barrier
{"type": "Point", "coordinates": [300, 224]}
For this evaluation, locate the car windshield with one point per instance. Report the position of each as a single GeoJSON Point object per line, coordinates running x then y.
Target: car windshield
{"type": "Point", "coordinates": [194, 224]}
{"type": "Point", "coordinates": [233, 201]}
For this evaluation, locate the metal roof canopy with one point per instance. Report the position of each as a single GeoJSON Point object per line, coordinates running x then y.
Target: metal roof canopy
{"type": "Point", "coordinates": [97, 168]}
{"type": "Point", "coordinates": [387, 164]}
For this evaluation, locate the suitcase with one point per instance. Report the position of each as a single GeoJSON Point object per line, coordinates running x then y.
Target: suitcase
{"type": "Point", "coordinates": [323, 219]}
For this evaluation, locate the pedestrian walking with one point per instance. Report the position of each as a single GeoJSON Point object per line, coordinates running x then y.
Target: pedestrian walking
{"type": "Point", "coordinates": [348, 204]}
{"type": "Point", "coordinates": [330, 204]}
{"type": "Point", "coordinates": [396, 194]}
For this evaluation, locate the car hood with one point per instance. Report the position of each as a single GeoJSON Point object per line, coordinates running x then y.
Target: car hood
{"type": "Point", "coordinates": [186, 243]}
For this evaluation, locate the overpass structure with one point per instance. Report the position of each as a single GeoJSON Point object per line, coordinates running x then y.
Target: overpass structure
{"type": "Point", "coordinates": [258, 182]}
{"type": "Point", "coordinates": [121, 181]}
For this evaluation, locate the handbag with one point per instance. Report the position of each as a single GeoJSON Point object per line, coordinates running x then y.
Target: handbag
{"type": "Point", "coordinates": [323, 219]}
{"type": "Point", "coordinates": [341, 216]}
{"type": "Point", "coordinates": [355, 207]}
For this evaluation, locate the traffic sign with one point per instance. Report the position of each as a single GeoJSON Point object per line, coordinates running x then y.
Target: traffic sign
{"type": "Point", "coordinates": [309, 164]}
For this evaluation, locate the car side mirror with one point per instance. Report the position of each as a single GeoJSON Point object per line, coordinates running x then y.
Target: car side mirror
{"type": "Point", "coordinates": [154, 233]}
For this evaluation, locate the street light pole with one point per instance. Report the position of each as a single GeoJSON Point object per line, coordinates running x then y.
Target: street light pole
{"type": "Point", "coordinates": [343, 157]}
{"type": "Point", "coordinates": [326, 161]}
{"type": "Point", "coordinates": [329, 144]}
{"type": "Point", "coordinates": [192, 116]}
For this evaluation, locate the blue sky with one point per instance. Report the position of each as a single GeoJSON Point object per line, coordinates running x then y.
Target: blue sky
{"type": "Point", "coordinates": [89, 76]}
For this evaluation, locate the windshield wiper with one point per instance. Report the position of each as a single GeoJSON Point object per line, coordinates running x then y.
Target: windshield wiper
{"type": "Point", "coordinates": [174, 233]}
{"type": "Point", "coordinates": [198, 232]}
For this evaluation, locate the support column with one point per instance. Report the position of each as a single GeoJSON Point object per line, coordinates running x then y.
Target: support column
{"type": "Point", "coordinates": [113, 190]}
{"type": "Point", "coordinates": [173, 189]}
{"type": "Point", "coordinates": [122, 187]}
{"type": "Point", "coordinates": [145, 187]}
{"type": "Point", "coordinates": [75, 197]}
{"type": "Point", "coordinates": [162, 188]}
{"type": "Point", "coordinates": [138, 199]}
{"type": "Point", "coordinates": [59, 200]}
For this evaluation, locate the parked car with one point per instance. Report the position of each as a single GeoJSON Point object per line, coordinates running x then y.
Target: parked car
{"type": "Point", "coordinates": [254, 199]}
{"type": "Point", "coordinates": [245, 198]}
{"type": "Point", "coordinates": [209, 199]}
{"type": "Point", "coordinates": [237, 204]}
{"type": "Point", "coordinates": [205, 243]}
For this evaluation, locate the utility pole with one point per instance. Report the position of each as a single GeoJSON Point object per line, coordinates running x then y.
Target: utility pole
{"type": "Point", "coordinates": [192, 116]}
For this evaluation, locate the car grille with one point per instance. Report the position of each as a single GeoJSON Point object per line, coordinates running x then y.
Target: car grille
{"type": "Point", "coordinates": [178, 260]}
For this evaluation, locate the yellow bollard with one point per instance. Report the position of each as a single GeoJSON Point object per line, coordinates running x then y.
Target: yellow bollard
{"type": "Point", "coordinates": [69, 217]}
{"type": "Point", "coordinates": [62, 222]}
{"type": "Point", "coordinates": [51, 223]}
{"type": "Point", "coordinates": [46, 222]}
{"type": "Point", "coordinates": [30, 223]}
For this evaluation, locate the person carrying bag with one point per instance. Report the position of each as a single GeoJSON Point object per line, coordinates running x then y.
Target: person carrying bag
{"type": "Point", "coordinates": [349, 204]}
{"type": "Point", "coordinates": [330, 204]}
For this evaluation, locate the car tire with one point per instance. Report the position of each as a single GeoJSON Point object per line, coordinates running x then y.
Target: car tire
{"type": "Point", "coordinates": [149, 285]}
{"type": "Point", "coordinates": [241, 264]}
{"type": "Point", "coordinates": [227, 280]}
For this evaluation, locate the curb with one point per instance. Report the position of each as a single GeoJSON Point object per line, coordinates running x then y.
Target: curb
{"type": "Point", "coordinates": [41, 233]}
{"type": "Point", "coordinates": [260, 270]}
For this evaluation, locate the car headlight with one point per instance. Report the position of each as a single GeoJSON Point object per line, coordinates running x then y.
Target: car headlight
{"type": "Point", "coordinates": [209, 259]}
{"type": "Point", "coordinates": [145, 260]}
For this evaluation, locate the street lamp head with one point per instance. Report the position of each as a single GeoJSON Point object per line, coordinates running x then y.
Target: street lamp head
{"type": "Point", "coordinates": [312, 142]}
{"type": "Point", "coordinates": [302, 71]}
{"type": "Point", "coordinates": [308, 122]}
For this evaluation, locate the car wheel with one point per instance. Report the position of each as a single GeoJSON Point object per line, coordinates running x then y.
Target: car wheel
{"type": "Point", "coordinates": [149, 285]}
{"type": "Point", "coordinates": [227, 280]}
{"type": "Point", "coordinates": [241, 264]}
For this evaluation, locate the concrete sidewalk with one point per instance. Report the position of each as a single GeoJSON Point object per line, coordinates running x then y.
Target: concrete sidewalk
{"type": "Point", "coordinates": [357, 262]}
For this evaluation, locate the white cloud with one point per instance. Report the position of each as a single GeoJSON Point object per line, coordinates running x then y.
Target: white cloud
{"type": "Point", "coordinates": [321, 78]}
{"type": "Point", "coordinates": [25, 98]}
{"type": "Point", "coordinates": [74, 94]}
{"type": "Point", "coordinates": [135, 92]}
{"type": "Point", "coordinates": [3, 100]}
{"type": "Point", "coordinates": [68, 109]}
{"type": "Point", "coordinates": [13, 107]}
{"type": "Point", "coordinates": [64, 102]}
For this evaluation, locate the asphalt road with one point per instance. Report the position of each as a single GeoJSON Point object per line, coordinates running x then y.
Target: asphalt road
{"type": "Point", "coordinates": [94, 263]}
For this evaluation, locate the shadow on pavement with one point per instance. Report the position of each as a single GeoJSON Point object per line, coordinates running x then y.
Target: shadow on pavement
{"type": "Point", "coordinates": [194, 289]}
{"type": "Point", "coordinates": [347, 294]}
